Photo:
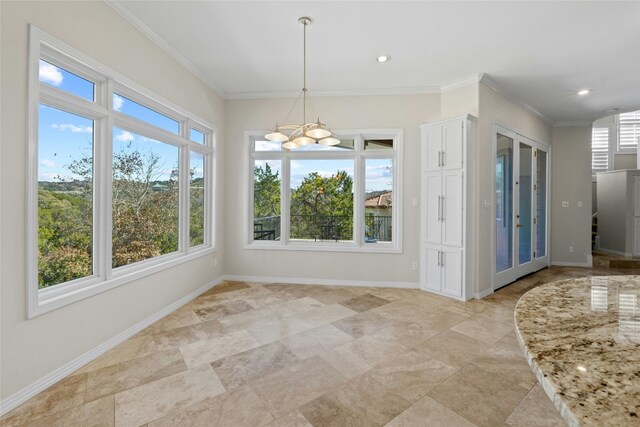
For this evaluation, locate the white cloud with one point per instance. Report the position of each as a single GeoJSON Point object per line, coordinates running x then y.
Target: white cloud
{"type": "Point", "coordinates": [117, 102]}
{"type": "Point", "coordinates": [48, 163]}
{"type": "Point", "coordinates": [268, 146]}
{"type": "Point", "coordinates": [73, 128]}
{"type": "Point", "coordinates": [125, 136]}
{"type": "Point", "coordinates": [296, 164]}
{"type": "Point", "coordinates": [50, 74]}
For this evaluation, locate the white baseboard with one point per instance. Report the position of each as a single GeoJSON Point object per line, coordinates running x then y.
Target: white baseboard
{"type": "Point", "coordinates": [31, 390]}
{"type": "Point", "coordinates": [326, 282]}
{"type": "Point", "coordinates": [587, 264]}
{"type": "Point", "coordinates": [614, 252]}
{"type": "Point", "coordinates": [482, 294]}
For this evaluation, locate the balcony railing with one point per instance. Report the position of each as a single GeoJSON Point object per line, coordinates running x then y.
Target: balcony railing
{"type": "Point", "coordinates": [378, 228]}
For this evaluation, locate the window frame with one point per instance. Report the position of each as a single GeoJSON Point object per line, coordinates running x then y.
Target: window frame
{"type": "Point", "coordinates": [107, 81]}
{"type": "Point", "coordinates": [610, 149]}
{"type": "Point", "coordinates": [617, 125]}
{"type": "Point", "coordinates": [358, 154]}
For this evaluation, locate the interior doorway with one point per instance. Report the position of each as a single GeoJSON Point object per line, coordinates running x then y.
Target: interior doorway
{"type": "Point", "coordinates": [521, 191]}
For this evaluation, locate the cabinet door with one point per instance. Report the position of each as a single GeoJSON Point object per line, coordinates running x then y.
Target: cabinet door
{"type": "Point", "coordinates": [451, 271]}
{"type": "Point", "coordinates": [433, 192]}
{"type": "Point", "coordinates": [451, 215]}
{"type": "Point", "coordinates": [433, 272]}
{"type": "Point", "coordinates": [452, 145]}
{"type": "Point", "coordinates": [432, 148]}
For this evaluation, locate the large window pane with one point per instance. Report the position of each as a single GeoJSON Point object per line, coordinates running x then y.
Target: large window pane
{"type": "Point", "coordinates": [525, 199]}
{"type": "Point", "coordinates": [260, 145]}
{"type": "Point", "coordinates": [196, 199]}
{"type": "Point", "coordinates": [266, 199]}
{"type": "Point", "coordinates": [65, 196]}
{"type": "Point", "coordinates": [541, 197]}
{"type": "Point", "coordinates": [66, 81]}
{"type": "Point", "coordinates": [140, 112]}
{"type": "Point", "coordinates": [504, 203]}
{"type": "Point", "coordinates": [378, 200]}
{"type": "Point", "coordinates": [145, 198]}
{"type": "Point", "coordinates": [322, 200]}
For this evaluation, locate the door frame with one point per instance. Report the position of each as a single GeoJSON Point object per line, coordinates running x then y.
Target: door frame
{"type": "Point", "coordinates": [537, 263]}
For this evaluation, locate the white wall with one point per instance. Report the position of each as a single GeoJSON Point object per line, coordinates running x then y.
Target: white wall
{"type": "Point", "coordinates": [362, 112]}
{"type": "Point", "coordinates": [34, 348]}
{"type": "Point", "coordinates": [496, 108]}
{"type": "Point", "coordinates": [571, 182]}
{"type": "Point", "coordinates": [459, 101]}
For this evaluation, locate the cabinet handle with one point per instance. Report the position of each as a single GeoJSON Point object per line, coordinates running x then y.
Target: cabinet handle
{"type": "Point", "coordinates": [438, 258]}
{"type": "Point", "coordinates": [443, 158]}
{"type": "Point", "coordinates": [442, 262]}
{"type": "Point", "coordinates": [439, 205]}
{"type": "Point", "coordinates": [439, 159]}
{"type": "Point", "coordinates": [442, 209]}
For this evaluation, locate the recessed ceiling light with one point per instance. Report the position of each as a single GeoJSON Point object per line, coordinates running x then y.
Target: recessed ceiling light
{"type": "Point", "coordinates": [584, 91]}
{"type": "Point", "coordinates": [383, 58]}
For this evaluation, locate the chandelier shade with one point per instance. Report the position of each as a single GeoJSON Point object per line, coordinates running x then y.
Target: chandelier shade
{"type": "Point", "coordinates": [298, 135]}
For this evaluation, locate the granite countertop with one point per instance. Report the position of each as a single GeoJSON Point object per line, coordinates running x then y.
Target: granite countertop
{"type": "Point", "coordinates": [582, 340]}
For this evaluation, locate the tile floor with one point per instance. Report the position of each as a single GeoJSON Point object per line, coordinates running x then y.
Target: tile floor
{"type": "Point", "coordinates": [250, 354]}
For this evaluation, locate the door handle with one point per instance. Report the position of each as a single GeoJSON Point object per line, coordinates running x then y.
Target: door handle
{"type": "Point", "coordinates": [519, 225]}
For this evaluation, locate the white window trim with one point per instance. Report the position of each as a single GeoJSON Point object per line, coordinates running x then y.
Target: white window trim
{"type": "Point", "coordinates": [358, 155]}
{"type": "Point", "coordinates": [106, 80]}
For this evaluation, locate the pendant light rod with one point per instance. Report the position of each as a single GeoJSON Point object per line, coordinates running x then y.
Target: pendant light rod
{"type": "Point", "coordinates": [304, 21]}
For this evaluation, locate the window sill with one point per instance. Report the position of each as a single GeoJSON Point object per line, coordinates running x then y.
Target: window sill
{"type": "Point", "coordinates": [387, 248]}
{"type": "Point", "coordinates": [58, 296]}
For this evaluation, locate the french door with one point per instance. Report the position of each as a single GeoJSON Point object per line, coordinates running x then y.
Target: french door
{"type": "Point", "coordinates": [521, 206]}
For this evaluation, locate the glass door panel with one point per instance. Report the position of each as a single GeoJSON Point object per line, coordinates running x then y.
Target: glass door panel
{"type": "Point", "coordinates": [504, 203]}
{"type": "Point", "coordinates": [541, 204]}
{"type": "Point", "coordinates": [524, 218]}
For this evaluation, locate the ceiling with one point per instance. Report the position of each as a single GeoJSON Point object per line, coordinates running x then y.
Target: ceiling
{"type": "Point", "coordinates": [540, 53]}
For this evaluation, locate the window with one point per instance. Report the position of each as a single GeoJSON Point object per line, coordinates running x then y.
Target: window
{"type": "Point", "coordinates": [600, 149]}
{"type": "Point", "coordinates": [119, 189]}
{"type": "Point", "coordinates": [619, 137]}
{"type": "Point", "coordinates": [628, 131]}
{"type": "Point", "coordinates": [344, 197]}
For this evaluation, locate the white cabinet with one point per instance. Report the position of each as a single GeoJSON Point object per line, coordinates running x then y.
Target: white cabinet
{"type": "Point", "coordinates": [448, 150]}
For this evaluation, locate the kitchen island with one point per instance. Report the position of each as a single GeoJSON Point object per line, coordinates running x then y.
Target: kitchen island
{"type": "Point", "coordinates": [582, 340]}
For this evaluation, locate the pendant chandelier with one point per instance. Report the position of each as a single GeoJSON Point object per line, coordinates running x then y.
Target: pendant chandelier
{"type": "Point", "coordinates": [306, 133]}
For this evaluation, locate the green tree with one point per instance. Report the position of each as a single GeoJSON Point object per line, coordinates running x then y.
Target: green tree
{"type": "Point", "coordinates": [266, 192]}
{"type": "Point", "coordinates": [322, 207]}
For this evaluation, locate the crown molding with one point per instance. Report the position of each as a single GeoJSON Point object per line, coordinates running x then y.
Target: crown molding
{"type": "Point", "coordinates": [488, 81]}
{"type": "Point", "coordinates": [418, 90]}
{"type": "Point", "coordinates": [563, 124]}
{"type": "Point", "coordinates": [475, 78]}
{"type": "Point", "coordinates": [140, 26]}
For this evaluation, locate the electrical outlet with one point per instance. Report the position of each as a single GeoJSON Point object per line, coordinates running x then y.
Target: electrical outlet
{"type": "Point", "coordinates": [565, 204]}
{"type": "Point", "coordinates": [487, 203]}
{"type": "Point", "coordinates": [414, 265]}
{"type": "Point", "coordinates": [570, 249]}
{"type": "Point", "coordinates": [414, 201]}
{"type": "Point", "coordinates": [579, 204]}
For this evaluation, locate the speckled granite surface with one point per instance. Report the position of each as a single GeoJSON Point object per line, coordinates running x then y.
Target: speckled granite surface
{"type": "Point", "coordinates": [582, 339]}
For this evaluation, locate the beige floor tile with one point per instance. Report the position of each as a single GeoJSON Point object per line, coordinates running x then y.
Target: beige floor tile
{"type": "Point", "coordinates": [248, 366]}
{"type": "Point", "coordinates": [314, 341]}
{"type": "Point", "coordinates": [483, 329]}
{"type": "Point", "coordinates": [402, 310]}
{"type": "Point", "coordinates": [499, 313]}
{"type": "Point", "coordinates": [346, 361]}
{"type": "Point", "coordinates": [361, 401]}
{"type": "Point", "coordinates": [223, 310]}
{"type": "Point", "coordinates": [535, 410]}
{"type": "Point", "coordinates": [99, 413]}
{"type": "Point", "coordinates": [297, 306]}
{"type": "Point", "coordinates": [411, 375]}
{"type": "Point", "coordinates": [128, 350]}
{"type": "Point", "coordinates": [215, 348]}
{"type": "Point", "coordinates": [115, 378]}
{"type": "Point", "coordinates": [274, 330]}
{"type": "Point", "coordinates": [238, 408]}
{"type": "Point", "coordinates": [227, 286]}
{"type": "Point", "coordinates": [332, 296]}
{"type": "Point", "coordinates": [453, 348]}
{"type": "Point", "coordinates": [157, 399]}
{"type": "Point", "coordinates": [508, 362]}
{"type": "Point", "coordinates": [177, 319]}
{"type": "Point", "coordinates": [327, 314]}
{"type": "Point", "coordinates": [361, 324]}
{"type": "Point", "coordinates": [429, 412]}
{"type": "Point", "coordinates": [404, 335]}
{"type": "Point", "coordinates": [479, 396]}
{"type": "Point", "coordinates": [292, 419]}
{"type": "Point", "coordinates": [373, 351]}
{"type": "Point", "coordinates": [251, 318]}
{"type": "Point", "coordinates": [187, 334]}
{"type": "Point", "coordinates": [63, 395]}
{"type": "Point", "coordinates": [297, 384]}
{"type": "Point", "coordinates": [364, 302]}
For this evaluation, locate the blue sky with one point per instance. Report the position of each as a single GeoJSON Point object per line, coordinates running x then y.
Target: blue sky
{"type": "Point", "coordinates": [64, 137]}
